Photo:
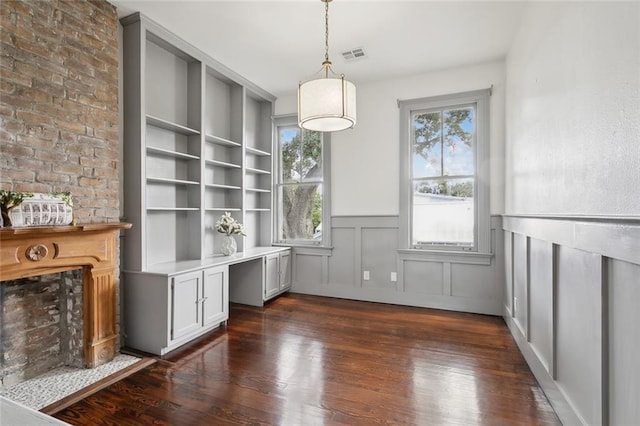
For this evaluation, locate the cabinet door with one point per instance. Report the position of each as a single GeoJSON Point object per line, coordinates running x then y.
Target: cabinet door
{"type": "Point", "coordinates": [185, 291]}
{"type": "Point", "coordinates": [271, 281]}
{"type": "Point", "coordinates": [285, 270]}
{"type": "Point", "coordinates": [215, 295]}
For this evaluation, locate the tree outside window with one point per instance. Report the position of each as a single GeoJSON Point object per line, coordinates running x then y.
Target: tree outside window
{"type": "Point", "coordinates": [300, 185]}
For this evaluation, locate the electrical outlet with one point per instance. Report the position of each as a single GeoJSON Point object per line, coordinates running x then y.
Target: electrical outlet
{"type": "Point", "coordinates": [365, 276]}
{"type": "Point", "coordinates": [394, 277]}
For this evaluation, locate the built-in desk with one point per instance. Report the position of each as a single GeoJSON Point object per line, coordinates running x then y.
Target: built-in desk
{"type": "Point", "coordinates": [172, 303]}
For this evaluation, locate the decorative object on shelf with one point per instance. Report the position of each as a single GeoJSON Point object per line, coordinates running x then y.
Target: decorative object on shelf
{"type": "Point", "coordinates": [229, 245]}
{"type": "Point", "coordinates": [327, 103]}
{"type": "Point", "coordinates": [35, 209]}
{"type": "Point", "coordinates": [229, 226]}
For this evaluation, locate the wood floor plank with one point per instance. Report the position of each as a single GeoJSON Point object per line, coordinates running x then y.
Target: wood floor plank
{"type": "Point", "coordinates": [305, 360]}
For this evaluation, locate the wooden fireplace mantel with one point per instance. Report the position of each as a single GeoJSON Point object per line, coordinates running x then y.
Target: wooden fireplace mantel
{"type": "Point", "coordinates": [29, 252]}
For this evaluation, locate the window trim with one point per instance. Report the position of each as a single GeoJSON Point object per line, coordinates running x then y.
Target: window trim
{"type": "Point", "coordinates": [288, 121]}
{"type": "Point", "coordinates": [482, 228]}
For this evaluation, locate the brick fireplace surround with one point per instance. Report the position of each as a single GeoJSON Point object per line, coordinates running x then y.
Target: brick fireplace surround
{"type": "Point", "coordinates": [59, 116]}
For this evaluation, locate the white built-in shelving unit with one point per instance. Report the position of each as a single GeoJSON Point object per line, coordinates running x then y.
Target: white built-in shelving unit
{"type": "Point", "coordinates": [197, 143]}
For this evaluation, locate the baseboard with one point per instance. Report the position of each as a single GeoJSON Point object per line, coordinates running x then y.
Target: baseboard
{"type": "Point", "coordinates": [449, 303]}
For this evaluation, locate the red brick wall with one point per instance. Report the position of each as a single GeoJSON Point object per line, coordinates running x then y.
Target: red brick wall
{"type": "Point", "coordinates": [40, 325]}
{"type": "Point", "coordinates": [59, 102]}
{"type": "Point", "coordinates": [58, 132]}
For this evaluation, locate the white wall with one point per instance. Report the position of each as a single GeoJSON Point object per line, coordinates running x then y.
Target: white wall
{"type": "Point", "coordinates": [364, 160]}
{"type": "Point", "coordinates": [573, 149]}
{"type": "Point", "coordinates": [573, 110]}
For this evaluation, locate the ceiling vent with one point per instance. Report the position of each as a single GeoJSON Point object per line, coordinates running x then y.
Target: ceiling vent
{"type": "Point", "coordinates": [353, 54]}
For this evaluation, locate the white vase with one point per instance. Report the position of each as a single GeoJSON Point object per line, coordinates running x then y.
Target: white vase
{"type": "Point", "coordinates": [228, 246]}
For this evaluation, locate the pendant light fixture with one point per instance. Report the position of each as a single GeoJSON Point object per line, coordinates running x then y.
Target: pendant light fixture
{"type": "Point", "coordinates": [327, 103]}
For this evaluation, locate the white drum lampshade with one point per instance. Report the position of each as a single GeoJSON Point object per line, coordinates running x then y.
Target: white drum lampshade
{"type": "Point", "coordinates": [327, 104]}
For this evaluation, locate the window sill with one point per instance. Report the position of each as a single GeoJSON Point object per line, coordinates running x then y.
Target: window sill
{"type": "Point", "coordinates": [467, 257]}
{"type": "Point", "coordinates": [301, 248]}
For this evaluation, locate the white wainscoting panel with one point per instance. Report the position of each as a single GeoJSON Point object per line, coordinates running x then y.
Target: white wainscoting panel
{"type": "Point", "coordinates": [311, 266]}
{"type": "Point", "coordinates": [579, 332]}
{"type": "Point", "coordinates": [378, 247]}
{"type": "Point", "coordinates": [466, 281]}
{"type": "Point", "coordinates": [343, 268]}
{"type": "Point", "coordinates": [508, 276]}
{"type": "Point", "coordinates": [520, 275]}
{"type": "Point", "coordinates": [624, 342]}
{"type": "Point", "coordinates": [423, 277]}
{"type": "Point", "coordinates": [541, 301]}
{"type": "Point", "coordinates": [474, 282]}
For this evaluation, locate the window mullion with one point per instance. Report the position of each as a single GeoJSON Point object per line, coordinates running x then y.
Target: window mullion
{"type": "Point", "coordinates": [299, 156]}
{"type": "Point", "coordinates": [441, 143]}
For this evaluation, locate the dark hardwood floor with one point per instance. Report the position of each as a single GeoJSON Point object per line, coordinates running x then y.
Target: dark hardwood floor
{"type": "Point", "coordinates": [304, 360]}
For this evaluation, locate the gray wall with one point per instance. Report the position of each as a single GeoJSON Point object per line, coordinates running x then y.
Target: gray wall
{"type": "Point", "coordinates": [577, 286]}
{"type": "Point", "coordinates": [370, 243]}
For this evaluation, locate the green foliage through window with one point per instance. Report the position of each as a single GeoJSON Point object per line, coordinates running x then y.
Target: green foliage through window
{"type": "Point", "coordinates": [300, 181]}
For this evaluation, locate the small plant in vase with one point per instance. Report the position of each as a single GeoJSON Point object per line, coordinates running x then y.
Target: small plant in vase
{"type": "Point", "coordinates": [229, 226]}
{"type": "Point", "coordinates": [8, 201]}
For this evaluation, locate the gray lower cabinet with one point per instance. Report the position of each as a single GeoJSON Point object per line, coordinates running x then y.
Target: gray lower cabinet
{"type": "Point", "coordinates": [256, 281]}
{"type": "Point", "coordinates": [215, 306]}
{"type": "Point", "coordinates": [284, 266]}
{"type": "Point", "coordinates": [185, 295]}
{"type": "Point", "coordinates": [271, 275]}
{"type": "Point", "coordinates": [163, 312]}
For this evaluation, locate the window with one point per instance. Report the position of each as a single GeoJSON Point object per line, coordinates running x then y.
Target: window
{"type": "Point", "coordinates": [444, 190]}
{"type": "Point", "coordinates": [301, 190]}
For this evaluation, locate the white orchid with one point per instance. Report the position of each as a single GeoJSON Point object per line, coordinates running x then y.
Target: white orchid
{"type": "Point", "coordinates": [228, 225]}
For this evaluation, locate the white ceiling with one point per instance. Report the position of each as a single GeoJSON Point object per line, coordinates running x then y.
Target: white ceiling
{"type": "Point", "coordinates": [276, 44]}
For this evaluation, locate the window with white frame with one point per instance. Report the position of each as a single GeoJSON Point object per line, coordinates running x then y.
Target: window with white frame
{"type": "Point", "coordinates": [444, 187]}
{"type": "Point", "coordinates": [301, 190]}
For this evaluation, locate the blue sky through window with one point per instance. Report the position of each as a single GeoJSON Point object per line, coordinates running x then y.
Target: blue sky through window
{"type": "Point", "coordinates": [457, 158]}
